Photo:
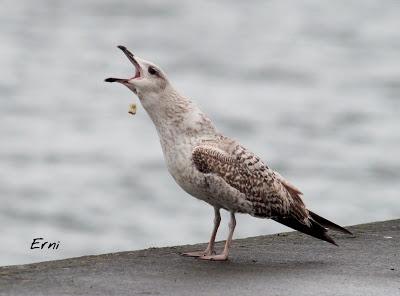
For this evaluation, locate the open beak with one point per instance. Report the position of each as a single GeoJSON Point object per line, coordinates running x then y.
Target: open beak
{"type": "Point", "coordinates": [131, 57]}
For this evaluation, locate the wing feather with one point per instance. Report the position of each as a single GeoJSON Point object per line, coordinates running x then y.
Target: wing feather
{"type": "Point", "coordinates": [270, 194]}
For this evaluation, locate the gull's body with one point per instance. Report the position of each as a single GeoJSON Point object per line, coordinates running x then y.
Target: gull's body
{"type": "Point", "coordinates": [185, 129]}
{"type": "Point", "coordinates": [215, 168]}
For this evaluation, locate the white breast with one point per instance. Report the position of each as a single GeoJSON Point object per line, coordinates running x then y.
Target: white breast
{"type": "Point", "coordinates": [178, 158]}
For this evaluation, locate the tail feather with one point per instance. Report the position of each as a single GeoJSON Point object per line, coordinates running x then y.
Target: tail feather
{"type": "Point", "coordinates": [328, 224]}
{"type": "Point", "coordinates": [314, 229]}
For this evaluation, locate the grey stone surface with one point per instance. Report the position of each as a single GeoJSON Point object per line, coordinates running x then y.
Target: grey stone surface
{"type": "Point", "coordinates": [281, 264]}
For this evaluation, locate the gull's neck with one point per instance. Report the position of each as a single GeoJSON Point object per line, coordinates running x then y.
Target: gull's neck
{"type": "Point", "coordinates": [175, 116]}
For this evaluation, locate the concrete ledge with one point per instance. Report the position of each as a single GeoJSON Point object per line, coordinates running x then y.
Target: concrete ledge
{"type": "Point", "coordinates": [281, 264]}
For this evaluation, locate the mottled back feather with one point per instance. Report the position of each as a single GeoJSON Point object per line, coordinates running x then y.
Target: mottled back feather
{"type": "Point", "coordinates": [270, 194]}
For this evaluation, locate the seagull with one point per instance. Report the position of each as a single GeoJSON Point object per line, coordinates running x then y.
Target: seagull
{"type": "Point", "coordinates": [215, 168]}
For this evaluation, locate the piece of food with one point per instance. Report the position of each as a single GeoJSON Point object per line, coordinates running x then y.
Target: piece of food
{"type": "Point", "coordinates": [132, 109]}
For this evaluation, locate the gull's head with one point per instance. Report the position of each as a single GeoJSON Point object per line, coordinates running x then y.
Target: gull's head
{"type": "Point", "coordinates": [149, 80]}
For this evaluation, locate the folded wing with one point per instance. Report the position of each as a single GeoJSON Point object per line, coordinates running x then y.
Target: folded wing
{"type": "Point", "coordinates": [270, 194]}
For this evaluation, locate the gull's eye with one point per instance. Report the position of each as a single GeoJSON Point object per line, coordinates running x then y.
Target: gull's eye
{"type": "Point", "coordinates": [152, 71]}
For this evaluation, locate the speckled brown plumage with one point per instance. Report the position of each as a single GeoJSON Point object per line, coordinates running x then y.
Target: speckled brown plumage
{"type": "Point", "coordinates": [270, 195]}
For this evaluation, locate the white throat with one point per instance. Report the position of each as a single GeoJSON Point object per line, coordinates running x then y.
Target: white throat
{"type": "Point", "coordinates": [175, 116]}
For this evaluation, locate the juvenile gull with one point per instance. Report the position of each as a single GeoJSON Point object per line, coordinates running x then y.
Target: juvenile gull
{"type": "Point", "coordinates": [215, 168]}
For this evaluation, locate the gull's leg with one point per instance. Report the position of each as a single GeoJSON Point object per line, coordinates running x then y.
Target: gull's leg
{"type": "Point", "coordinates": [224, 255]}
{"type": "Point", "coordinates": [210, 247]}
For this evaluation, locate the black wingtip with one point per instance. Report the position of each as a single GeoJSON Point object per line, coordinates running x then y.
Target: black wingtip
{"type": "Point", "coordinates": [314, 228]}
{"type": "Point", "coordinates": [328, 239]}
{"type": "Point", "coordinates": [121, 47]}
{"type": "Point", "coordinates": [110, 79]}
{"type": "Point", "coordinates": [328, 224]}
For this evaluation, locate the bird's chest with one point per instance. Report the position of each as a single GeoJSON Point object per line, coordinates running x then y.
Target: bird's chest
{"type": "Point", "coordinates": [178, 157]}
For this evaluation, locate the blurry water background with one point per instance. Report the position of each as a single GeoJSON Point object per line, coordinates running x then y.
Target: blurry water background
{"type": "Point", "coordinates": [313, 87]}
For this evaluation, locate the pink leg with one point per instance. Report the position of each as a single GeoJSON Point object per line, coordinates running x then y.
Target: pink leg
{"type": "Point", "coordinates": [224, 255]}
{"type": "Point", "coordinates": [210, 248]}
